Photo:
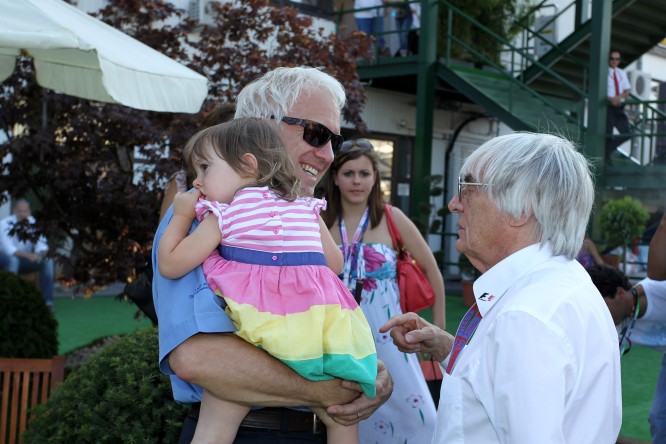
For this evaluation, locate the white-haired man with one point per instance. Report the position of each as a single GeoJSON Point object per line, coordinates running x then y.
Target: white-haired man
{"type": "Point", "coordinates": [197, 345]}
{"type": "Point", "coordinates": [535, 359]}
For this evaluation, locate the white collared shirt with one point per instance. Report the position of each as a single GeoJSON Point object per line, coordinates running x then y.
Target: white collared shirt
{"type": "Point", "coordinates": [543, 365]}
{"type": "Point", "coordinates": [622, 81]}
{"type": "Point", "coordinates": [11, 244]}
{"type": "Point", "coordinates": [650, 329]}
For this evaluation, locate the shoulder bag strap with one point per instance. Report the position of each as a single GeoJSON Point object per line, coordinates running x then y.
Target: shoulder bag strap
{"type": "Point", "coordinates": [393, 230]}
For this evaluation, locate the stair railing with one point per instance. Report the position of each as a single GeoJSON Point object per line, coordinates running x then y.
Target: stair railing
{"type": "Point", "coordinates": [512, 53]}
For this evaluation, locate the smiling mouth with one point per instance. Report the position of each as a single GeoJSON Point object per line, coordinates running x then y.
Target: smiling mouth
{"type": "Point", "coordinates": [310, 170]}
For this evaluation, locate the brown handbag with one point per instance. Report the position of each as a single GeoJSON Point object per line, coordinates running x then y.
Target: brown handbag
{"type": "Point", "coordinates": [415, 290]}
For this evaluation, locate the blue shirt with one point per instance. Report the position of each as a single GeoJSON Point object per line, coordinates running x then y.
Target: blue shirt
{"type": "Point", "coordinates": [184, 307]}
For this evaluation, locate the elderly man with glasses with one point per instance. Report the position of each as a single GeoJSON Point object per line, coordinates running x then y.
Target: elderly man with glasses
{"type": "Point", "coordinates": [535, 359]}
{"type": "Point", "coordinates": [197, 345]}
{"type": "Point", "coordinates": [618, 91]}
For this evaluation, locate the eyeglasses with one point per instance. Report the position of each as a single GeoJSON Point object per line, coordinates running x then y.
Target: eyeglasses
{"type": "Point", "coordinates": [314, 133]}
{"type": "Point", "coordinates": [462, 187]}
{"type": "Point", "coordinates": [363, 144]}
{"type": "Point", "coordinates": [615, 58]}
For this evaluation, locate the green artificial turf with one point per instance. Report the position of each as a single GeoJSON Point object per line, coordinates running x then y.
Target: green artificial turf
{"type": "Point", "coordinates": [83, 320]}
{"type": "Point", "coordinates": [640, 368]}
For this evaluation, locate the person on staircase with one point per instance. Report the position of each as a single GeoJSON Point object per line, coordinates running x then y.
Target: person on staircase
{"type": "Point", "coordinates": [618, 91]}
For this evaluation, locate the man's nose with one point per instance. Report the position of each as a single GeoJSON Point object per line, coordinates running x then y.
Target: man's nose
{"type": "Point", "coordinates": [325, 153]}
{"type": "Point", "coordinates": [455, 206]}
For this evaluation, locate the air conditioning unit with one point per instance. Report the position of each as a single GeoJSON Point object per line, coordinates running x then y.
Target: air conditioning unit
{"type": "Point", "coordinates": [641, 84]}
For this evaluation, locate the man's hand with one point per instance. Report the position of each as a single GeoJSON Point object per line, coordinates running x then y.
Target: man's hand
{"type": "Point", "coordinates": [362, 407]}
{"type": "Point", "coordinates": [411, 333]}
{"type": "Point", "coordinates": [183, 204]}
{"type": "Point", "coordinates": [616, 101]}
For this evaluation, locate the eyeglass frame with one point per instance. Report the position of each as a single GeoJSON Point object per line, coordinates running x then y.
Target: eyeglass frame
{"type": "Point", "coordinates": [614, 58]}
{"type": "Point", "coordinates": [336, 139]}
{"type": "Point", "coordinates": [461, 184]}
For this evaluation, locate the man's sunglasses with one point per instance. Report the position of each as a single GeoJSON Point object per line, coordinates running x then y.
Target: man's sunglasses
{"type": "Point", "coordinates": [357, 143]}
{"type": "Point", "coordinates": [614, 58]}
{"type": "Point", "coordinates": [314, 133]}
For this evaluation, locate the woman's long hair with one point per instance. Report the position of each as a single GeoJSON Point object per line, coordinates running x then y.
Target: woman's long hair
{"type": "Point", "coordinates": [334, 200]}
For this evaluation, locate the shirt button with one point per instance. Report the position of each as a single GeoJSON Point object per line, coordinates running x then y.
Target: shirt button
{"type": "Point", "coordinates": [272, 214]}
{"type": "Point", "coordinates": [276, 231]}
{"type": "Point", "coordinates": [265, 195]}
{"type": "Point", "coordinates": [274, 258]}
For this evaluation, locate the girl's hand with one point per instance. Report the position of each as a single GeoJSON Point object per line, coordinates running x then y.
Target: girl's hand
{"type": "Point", "coordinates": [183, 204]}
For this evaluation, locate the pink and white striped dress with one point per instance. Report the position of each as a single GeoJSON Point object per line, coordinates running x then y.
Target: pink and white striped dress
{"type": "Point", "coordinates": [279, 292]}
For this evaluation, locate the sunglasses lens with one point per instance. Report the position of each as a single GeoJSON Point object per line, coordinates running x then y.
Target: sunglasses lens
{"type": "Point", "coordinates": [316, 134]}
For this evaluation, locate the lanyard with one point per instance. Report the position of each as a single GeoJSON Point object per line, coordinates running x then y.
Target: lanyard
{"type": "Point", "coordinates": [625, 342]}
{"type": "Point", "coordinates": [350, 251]}
{"type": "Point", "coordinates": [464, 334]}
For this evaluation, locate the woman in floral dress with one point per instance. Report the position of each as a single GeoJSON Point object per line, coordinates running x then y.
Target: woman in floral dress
{"type": "Point", "coordinates": [355, 218]}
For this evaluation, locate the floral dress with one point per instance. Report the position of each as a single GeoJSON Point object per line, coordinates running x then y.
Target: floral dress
{"type": "Point", "coordinates": [409, 416]}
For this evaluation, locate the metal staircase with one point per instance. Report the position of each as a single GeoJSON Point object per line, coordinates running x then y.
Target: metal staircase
{"type": "Point", "coordinates": [636, 27]}
{"type": "Point", "coordinates": [546, 91]}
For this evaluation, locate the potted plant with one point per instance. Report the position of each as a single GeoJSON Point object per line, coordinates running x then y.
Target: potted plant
{"type": "Point", "coordinates": [621, 221]}
{"type": "Point", "coordinates": [468, 275]}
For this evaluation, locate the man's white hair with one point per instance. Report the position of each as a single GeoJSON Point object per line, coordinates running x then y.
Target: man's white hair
{"type": "Point", "coordinates": [275, 93]}
{"type": "Point", "coordinates": [539, 174]}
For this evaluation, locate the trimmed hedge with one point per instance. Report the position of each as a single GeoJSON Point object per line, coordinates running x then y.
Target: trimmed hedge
{"type": "Point", "coordinates": [117, 395]}
{"type": "Point", "coordinates": [27, 326]}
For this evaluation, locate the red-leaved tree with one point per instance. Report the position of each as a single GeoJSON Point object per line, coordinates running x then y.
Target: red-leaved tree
{"type": "Point", "coordinates": [96, 170]}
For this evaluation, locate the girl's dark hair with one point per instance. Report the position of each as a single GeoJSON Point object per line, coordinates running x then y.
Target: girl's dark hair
{"type": "Point", "coordinates": [231, 140]}
{"type": "Point", "coordinates": [375, 200]}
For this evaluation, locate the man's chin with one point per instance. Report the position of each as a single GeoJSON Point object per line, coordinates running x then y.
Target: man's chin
{"type": "Point", "coordinates": [308, 184]}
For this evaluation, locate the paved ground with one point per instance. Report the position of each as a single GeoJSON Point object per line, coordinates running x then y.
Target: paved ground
{"type": "Point", "coordinates": [111, 290]}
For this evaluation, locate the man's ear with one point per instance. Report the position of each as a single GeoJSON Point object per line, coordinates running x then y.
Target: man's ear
{"type": "Point", "coordinates": [251, 162]}
{"type": "Point", "coordinates": [521, 220]}
{"type": "Point", "coordinates": [619, 292]}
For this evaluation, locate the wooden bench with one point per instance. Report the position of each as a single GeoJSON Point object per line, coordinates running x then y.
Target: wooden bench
{"type": "Point", "coordinates": [25, 383]}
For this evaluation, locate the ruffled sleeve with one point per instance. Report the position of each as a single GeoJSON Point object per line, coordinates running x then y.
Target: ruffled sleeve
{"type": "Point", "coordinates": [217, 209]}
{"type": "Point", "coordinates": [318, 205]}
